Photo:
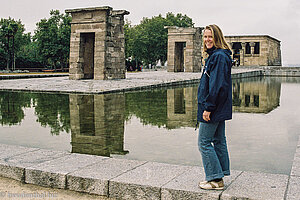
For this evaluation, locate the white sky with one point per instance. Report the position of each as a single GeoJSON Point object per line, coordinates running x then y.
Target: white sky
{"type": "Point", "coordinates": [278, 18]}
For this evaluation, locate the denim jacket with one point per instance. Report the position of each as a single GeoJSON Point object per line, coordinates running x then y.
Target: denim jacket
{"type": "Point", "coordinates": [215, 88]}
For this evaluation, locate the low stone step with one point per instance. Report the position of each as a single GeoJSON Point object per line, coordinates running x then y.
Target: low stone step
{"type": "Point", "coordinates": [94, 179]}
{"type": "Point", "coordinates": [53, 173]}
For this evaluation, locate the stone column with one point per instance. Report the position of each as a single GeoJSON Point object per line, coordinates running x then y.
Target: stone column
{"type": "Point", "coordinates": [242, 52]}
{"type": "Point", "coordinates": [252, 45]}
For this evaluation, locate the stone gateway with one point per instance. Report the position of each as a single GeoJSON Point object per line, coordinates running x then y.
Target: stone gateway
{"type": "Point", "coordinates": [97, 46]}
{"type": "Point", "coordinates": [184, 49]}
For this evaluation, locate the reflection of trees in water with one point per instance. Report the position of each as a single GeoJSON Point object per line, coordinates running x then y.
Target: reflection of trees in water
{"type": "Point", "coordinates": [11, 107]}
{"type": "Point", "coordinates": [149, 106]}
{"type": "Point", "coordinates": [51, 109]}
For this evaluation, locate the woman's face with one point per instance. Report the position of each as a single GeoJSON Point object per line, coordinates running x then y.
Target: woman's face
{"type": "Point", "coordinates": [208, 39]}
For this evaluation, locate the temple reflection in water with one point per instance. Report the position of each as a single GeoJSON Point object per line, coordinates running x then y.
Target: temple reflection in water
{"type": "Point", "coordinates": [97, 121]}
{"type": "Point", "coordinates": [254, 95]}
{"type": "Point", "coordinates": [182, 107]}
{"type": "Point", "coordinates": [97, 124]}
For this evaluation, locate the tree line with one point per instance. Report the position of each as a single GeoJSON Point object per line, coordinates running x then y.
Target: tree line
{"type": "Point", "coordinates": [49, 46]}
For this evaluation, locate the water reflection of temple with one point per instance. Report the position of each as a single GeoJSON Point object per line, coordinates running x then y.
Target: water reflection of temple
{"type": "Point", "coordinates": [182, 107]}
{"type": "Point", "coordinates": [255, 96]}
{"type": "Point", "coordinates": [97, 124]}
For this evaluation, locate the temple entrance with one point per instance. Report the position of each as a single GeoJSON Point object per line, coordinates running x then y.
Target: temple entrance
{"type": "Point", "coordinates": [179, 101]}
{"type": "Point", "coordinates": [179, 56]}
{"type": "Point", "coordinates": [86, 115]}
{"type": "Point", "coordinates": [236, 52]}
{"type": "Point", "coordinates": [87, 47]}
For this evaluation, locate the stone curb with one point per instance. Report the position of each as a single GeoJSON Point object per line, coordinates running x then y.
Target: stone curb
{"type": "Point", "coordinates": [26, 76]}
{"type": "Point", "coordinates": [131, 179]}
{"type": "Point", "coordinates": [294, 180]}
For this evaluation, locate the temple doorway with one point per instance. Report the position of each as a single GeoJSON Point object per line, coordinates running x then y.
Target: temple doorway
{"type": "Point", "coordinates": [87, 48]}
{"type": "Point", "coordinates": [179, 56]}
{"type": "Point", "coordinates": [236, 52]}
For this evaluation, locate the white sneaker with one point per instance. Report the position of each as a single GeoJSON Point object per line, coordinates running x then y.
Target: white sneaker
{"type": "Point", "coordinates": [212, 185]}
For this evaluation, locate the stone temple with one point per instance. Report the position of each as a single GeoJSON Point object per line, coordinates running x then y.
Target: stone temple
{"type": "Point", "coordinates": [185, 49]}
{"type": "Point", "coordinates": [255, 50]}
{"type": "Point", "coordinates": [97, 47]}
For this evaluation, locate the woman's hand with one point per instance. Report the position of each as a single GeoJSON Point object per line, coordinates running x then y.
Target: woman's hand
{"type": "Point", "coordinates": [206, 115]}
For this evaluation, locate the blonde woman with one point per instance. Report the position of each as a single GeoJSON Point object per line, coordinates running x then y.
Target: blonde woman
{"type": "Point", "coordinates": [214, 107]}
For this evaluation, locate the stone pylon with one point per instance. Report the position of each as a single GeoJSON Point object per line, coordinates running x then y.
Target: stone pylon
{"type": "Point", "coordinates": [97, 47]}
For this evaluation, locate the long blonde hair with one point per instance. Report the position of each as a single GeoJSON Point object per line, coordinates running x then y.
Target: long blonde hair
{"type": "Point", "coordinates": [218, 38]}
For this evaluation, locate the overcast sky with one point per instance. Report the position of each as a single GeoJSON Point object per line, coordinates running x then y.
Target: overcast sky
{"type": "Point", "coordinates": [278, 18]}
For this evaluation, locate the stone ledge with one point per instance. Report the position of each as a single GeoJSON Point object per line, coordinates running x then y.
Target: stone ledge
{"type": "Point", "coordinates": [251, 185]}
{"type": "Point", "coordinates": [53, 173]}
{"type": "Point", "coordinates": [294, 181]}
{"type": "Point", "coordinates": [131, 179]}
{"type": "Point", "coordinates": [293, 188]}
{"type": "Point", "coordinates": [186, 186]}
{"type": "Point", "coordinates": [26, 76]}
{"type": "Point", "coordinates": [94, 179]}
{"type": "Point", "coordinates": [14, 167]}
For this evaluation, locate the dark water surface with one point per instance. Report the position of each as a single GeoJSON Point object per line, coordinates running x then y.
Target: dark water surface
{"type": "Point", "coordinates": [159, 125]}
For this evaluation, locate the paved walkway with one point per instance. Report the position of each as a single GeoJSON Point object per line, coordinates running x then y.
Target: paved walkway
{"type": "Point", "coordinates": [133, 81]}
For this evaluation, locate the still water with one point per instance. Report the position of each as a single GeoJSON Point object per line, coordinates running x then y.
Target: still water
{"type": "Point", "coordinates": [159, 125]}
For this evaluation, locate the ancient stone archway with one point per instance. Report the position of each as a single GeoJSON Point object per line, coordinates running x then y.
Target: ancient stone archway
{"type": "Point", "coordinates": [184, 49]}
{"type": "Point", "coordinates": [97, 47]}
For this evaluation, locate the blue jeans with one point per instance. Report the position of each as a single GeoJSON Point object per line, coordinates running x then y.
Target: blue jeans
{"type": "Point", "coordinates": [213, 147]}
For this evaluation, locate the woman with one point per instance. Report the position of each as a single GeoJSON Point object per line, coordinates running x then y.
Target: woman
{"type": "Point", "coordinates": [214, 107]}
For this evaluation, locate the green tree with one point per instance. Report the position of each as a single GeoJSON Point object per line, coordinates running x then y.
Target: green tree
{"type": "Point", "coordinates": [129, 38]}
{"type": "Point", "coordinates": [28, 56]}
{"type": "Point", "coordinates": [53, 110]}
{"type": "Point", "coordinates": [12, 106]}
{"type": "Point", "coordinates": [149, 106]}
{"type": "Point", "coordinates": [12, 38]}
{"type": "Point", "coordinates": [147, 41]}
{"type": "Point", "coordinates": [53, 39]}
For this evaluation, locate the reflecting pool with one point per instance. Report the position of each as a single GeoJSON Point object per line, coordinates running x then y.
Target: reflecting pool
{"type": "Point", "coordinates": [159, 125]}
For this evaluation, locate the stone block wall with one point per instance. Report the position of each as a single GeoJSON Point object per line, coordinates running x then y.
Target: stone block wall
{"type": "Point", "coordinates": [115, 55]}
{"type": "Point", "coordinates": [274, 57]}
{"type": "Point", "coordinates": [190, 40]}
{"type": "Point", "coordinates": [108, 54]}
{"type": "Point", "coordinates": [269, 50]}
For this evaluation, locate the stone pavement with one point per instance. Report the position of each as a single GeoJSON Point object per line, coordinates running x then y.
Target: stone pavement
{"type": "Point", "coordinates": [133, 81]}
{"type": "Point", "coordinates": [133, 179]}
